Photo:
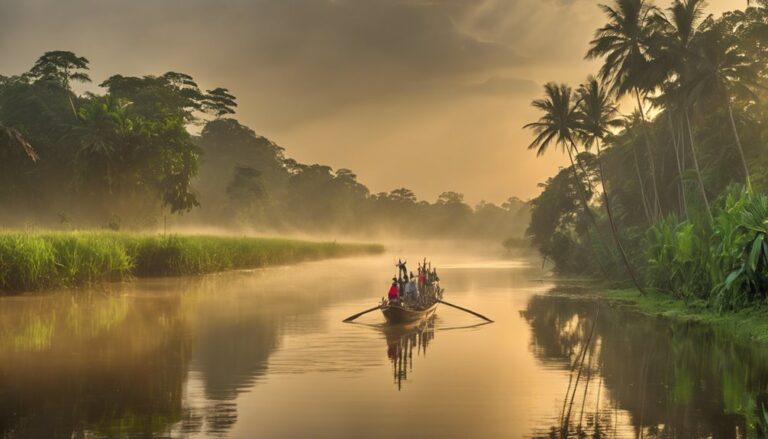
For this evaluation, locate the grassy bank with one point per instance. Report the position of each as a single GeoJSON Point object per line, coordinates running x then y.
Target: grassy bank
{"type": "Point", "coordinates": [39, 260]}
{"type": "Point", "coordinates": [749, 324]}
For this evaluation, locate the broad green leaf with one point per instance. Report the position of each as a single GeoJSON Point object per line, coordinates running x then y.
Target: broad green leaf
{"type": "Point", "coordinates": [754, 255]}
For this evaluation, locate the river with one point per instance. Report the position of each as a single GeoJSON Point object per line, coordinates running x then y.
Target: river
{"type": "Point", "coordinates": [264, 353]}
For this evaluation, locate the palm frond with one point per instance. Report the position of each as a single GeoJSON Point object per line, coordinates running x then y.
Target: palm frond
{"type": "Point", "coordinates": [16, 137]}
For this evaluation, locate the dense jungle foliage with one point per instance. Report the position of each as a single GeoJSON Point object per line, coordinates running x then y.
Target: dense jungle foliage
{"type": "Point", "coordinates": [673, 195]}
{"type": "Point", "coordinates": [132, 155]}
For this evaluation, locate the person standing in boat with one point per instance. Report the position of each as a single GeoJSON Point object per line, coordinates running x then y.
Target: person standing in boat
{"type": "Point", "coordinates": [411, 290]}
{"type": "Point", "coordinates": [393, 290]}
{"type": "Point", "coordinates": [403, 270]}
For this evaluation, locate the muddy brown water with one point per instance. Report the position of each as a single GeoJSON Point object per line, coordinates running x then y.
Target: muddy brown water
{"type": "Point", "coordinates": [264, 353]}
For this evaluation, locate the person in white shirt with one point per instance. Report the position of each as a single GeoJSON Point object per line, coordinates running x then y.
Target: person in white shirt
{"type": "Point", "coordinates": [411, 290]}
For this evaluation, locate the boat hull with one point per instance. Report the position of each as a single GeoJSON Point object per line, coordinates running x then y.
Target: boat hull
{"type": "Point", "coordinates": [396, 314]}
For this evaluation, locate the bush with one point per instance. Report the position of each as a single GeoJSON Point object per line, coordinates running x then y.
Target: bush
{"type": "Point", "coordinates": [742, 229]}
{"type": "Point", "coordinates": [727, 264]}
{"type": "Point", "coordinates": [678, 259]}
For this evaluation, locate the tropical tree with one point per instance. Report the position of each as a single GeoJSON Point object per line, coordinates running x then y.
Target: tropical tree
{"type": "Point", "coordinates": [124, 155]}
{"type": "Point", "coordinates": [597, 114]}
{"type": "Point", "coordinates": [186, 88]}
{"type": "Point", "coordinates": [103, 135]}
{"type": "Point", "coordinates": [219, 102]}
{"type": "Point", "coordinates": [721, 70]}
{"type": "Point", "coordinates": [246, 193]}
{"type": "Point", "coordinates": [674, 53]}
{"type": "Point", "coordinates": [625, 43]}
{"type": "Point", "coordinates": [559, 124]}
{"type": "Point", "coordinates": [450, 197]}
{"type": "Point", "coordinates": [671, 102]}
{"type": "Point", "coordinates": [402, 195]}
{"type": "Point", "coordinates": [62, 68]}
{"type": "Point", "coordinates": [154, 97]}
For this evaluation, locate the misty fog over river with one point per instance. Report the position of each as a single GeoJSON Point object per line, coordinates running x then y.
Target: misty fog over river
{"type": "Point", "coordinates": [264, 353]}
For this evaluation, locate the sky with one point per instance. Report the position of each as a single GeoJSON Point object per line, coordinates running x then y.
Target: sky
{"type": "Point", "coordinates": [425, 94]}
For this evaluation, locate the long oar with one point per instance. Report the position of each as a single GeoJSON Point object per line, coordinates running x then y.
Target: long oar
{"type": "Point", "coordinates": [353, 317]}
{"type": "Point", "coordinates": [466, 310]}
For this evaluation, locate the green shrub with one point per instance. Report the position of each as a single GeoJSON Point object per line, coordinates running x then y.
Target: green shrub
{"type": "Point", "coordinates": [742, 253]}
{"type": "Point", "coordinates": [678, 259]}
{"type": "Point", "coordinates": [727, 264]}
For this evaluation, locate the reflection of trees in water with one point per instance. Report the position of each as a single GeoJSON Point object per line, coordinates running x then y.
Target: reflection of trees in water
{"type": "Point", "coordinates": [401, 342]}
{"type": "Point", "coordinates": [673, 379]}
{"type": "Point", "coordinates": [72, 364]}
{"type": "Point", "coordinates": [231, 355]}
{"type": "Point", "coordinates": [237, 334]}
{"type": "Point", "coordinates": [118, 364]}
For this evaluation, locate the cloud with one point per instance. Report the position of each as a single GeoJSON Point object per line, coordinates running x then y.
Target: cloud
{"type": "Point", "coordinates": [506, 86]}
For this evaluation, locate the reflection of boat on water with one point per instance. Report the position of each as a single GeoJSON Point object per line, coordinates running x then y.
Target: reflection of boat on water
{"type": "Point", "coordinates": [401, 341]}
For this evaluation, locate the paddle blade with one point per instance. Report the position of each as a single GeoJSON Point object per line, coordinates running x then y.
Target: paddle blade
{"type": "Point", "coordinates": [466, 310]}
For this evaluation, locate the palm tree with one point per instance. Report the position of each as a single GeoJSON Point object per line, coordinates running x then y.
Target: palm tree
{"type": "Point", "coordinates": [559, 124]}
{"type": "Point", "coordinates": [597, 114]}
{"type": "Point", "coordinates": [104, 137]}
{"type": "Point", "coordinates": [696, 164]}
{"type": "Point", "coordinates": [721, 69]}
{"type": "Point", "coordinates": [625, 44]}
{"type": "Point", "coordinates": [677, 37]}
{"type": "Point", "coordinates": [670, 102]}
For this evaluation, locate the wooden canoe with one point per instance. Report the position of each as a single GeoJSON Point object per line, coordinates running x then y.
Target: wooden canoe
{"type": "Point", "coordinates": [396, 313]}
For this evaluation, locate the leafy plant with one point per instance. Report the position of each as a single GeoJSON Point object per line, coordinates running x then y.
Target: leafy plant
{"type": "Point", "coordinates": [747, 281]}
{"type": "Point", "coordinates": [678, 259]}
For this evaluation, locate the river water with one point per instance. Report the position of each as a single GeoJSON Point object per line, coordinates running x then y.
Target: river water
{"type": "Point", "coordinates": [264, 354]}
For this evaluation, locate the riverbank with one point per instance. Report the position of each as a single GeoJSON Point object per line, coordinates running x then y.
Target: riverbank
{"type": "Point", "coordinates": [748, 324]}
{"type": "Point", "coordinates": [32, 261]}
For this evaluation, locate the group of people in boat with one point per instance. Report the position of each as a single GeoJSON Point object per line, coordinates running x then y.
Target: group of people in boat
{"type": "Point", "coordinates": [415, 290]}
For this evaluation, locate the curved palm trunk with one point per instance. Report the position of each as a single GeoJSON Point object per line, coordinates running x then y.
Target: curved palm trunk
{"type": "Point", "coordinates": [698, 170]}
{"type": "Point", "coordinates": [614, 228]}
{"type": "Point", "coordinates": [684, 202]}
{"type": "Point", "coordinates": [643, 197]}
{"type": "Point", "coordinates": [583, 195]}
{"type": "Point", "coordinates": [651, 162]}
{"type": "Point", "coordinates": [738, 144]}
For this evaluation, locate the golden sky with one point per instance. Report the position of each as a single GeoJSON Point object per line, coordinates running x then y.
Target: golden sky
{"type": "Point", "coordinates": [426, 94]}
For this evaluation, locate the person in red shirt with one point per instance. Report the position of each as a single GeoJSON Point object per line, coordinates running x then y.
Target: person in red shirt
{"type": "Point", "coordinates": [393, 290]}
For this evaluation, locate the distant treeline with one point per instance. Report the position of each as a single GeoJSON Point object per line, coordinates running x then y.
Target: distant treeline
{"type": "Point", "coordinates": [126, 158]}
{"type": "Point", "coordinates": [672, 195]}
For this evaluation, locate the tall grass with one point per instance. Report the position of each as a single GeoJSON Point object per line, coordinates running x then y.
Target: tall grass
{"type": "Point", "coordinates": [39, 260]}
